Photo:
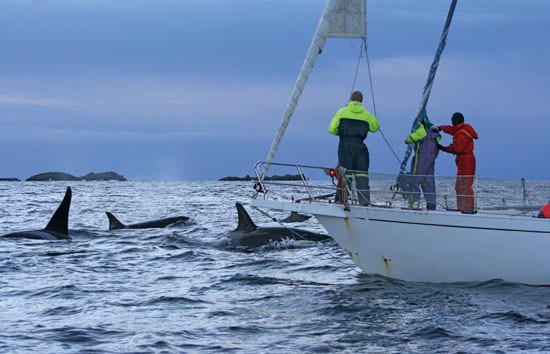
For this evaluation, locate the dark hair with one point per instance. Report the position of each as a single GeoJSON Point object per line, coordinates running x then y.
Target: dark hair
{"type": "Point", "coordinates": [457, 118]}
{"type": "Point", "coordinates": [356, 96]}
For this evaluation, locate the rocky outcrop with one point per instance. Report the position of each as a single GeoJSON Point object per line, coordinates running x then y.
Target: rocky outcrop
{"type": "Point", "coordinates": [233, 178]}
{"type": "Point", "coordinates": [52, 176]}
{"type": "Point", "coordinates": [286, 177]}
{"type": "Point", "coordinates": [103, 176]}
{"type": "Point", "coordinates": [61, 176]}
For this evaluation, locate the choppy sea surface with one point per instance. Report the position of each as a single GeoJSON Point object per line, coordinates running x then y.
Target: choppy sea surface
{"type": "Point", "coordinates": [188, 289]}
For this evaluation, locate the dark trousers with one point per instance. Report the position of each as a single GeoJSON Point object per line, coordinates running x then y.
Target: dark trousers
{"type": "Point", "coordinates": [354, 155]}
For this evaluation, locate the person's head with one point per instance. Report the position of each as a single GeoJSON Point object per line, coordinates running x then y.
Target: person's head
{"type": "Point", "coordinates": [356, 96]}
{"type": "Point", "coordinates": [457, 118]}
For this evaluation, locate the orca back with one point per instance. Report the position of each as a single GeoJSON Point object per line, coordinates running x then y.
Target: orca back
{"type": "Point", "coordinates": [248, 234]}
{"type": "Point", "coordinates": [159, 223]}
{"type": "Point", "coordinates": [57, 228]}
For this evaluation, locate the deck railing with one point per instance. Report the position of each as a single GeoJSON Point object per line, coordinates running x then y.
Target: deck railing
{"type": "Point", "coordinates": [303, 183]}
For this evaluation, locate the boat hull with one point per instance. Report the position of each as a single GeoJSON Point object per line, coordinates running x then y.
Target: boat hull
{"type": "Point", "coordinates": [435, 246]}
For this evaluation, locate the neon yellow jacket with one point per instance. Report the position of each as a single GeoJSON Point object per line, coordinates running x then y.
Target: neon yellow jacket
{"type": "Point", "coordinates": [354, 110]}
{"type": "Point", "coordinates": [419, 134]}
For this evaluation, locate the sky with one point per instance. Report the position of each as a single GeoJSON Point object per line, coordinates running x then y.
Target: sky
{"type": "Point", "coordinates": [195, 89]}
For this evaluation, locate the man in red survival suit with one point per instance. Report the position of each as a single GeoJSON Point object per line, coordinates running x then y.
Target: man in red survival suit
{"type": "Point", "coordinates": [545, 211]}
{"type": "Point", "coordinates": [463, 148]}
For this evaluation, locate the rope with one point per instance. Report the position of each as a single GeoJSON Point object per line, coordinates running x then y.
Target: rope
{"type": "Point", "coordinates": [364, 45]}
{"type": "Point", "coordinates": [266, 214]}
{"type": "Point", "coordinates": [357, 69]}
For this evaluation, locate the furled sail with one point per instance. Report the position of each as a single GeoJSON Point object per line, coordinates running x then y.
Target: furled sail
{"type": "Point", "coordinates": [341, 18]}
{"type": "Point", "coordinates": [421, 112]}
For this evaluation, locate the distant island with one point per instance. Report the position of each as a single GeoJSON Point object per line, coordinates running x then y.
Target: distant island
{"type": "Point", "coordinates": [61, 176]}
{"type": "Point", "coordinates": [9, 180]}
{"type": "Point", "coordinates": [286, 177]}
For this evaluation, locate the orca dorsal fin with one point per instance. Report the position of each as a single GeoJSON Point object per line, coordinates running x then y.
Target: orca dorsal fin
{"type": "Point", "coordinates": [114, 223]}
{"type": "Point", "coordinates": [245, 222]}
{"type": "Point", "coordinates": [59, 223]}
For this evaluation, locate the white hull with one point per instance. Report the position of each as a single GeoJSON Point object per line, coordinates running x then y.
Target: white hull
{"type": "Point", "coordinates": [435, 246]}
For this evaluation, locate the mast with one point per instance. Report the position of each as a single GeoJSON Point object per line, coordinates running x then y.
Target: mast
{"type": "Point", "coordinates": [341, 18]}
{"type": "Point", "coordinates": [421, 112]}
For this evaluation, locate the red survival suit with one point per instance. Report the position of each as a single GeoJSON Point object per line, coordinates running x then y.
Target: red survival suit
{"type": "Point", "coordinates": [545, 211]}
{"type": "Point", "coordinates": [463, 147]}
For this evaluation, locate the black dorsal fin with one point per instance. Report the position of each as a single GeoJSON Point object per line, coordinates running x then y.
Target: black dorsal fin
{"type": "Point", "coordinates": [245, 222]}
{"type": "Point", "coordinates": [114, 223]}
{"type": "Point", "coordinates": [59, 223]}
{"type": "Point", "coordinates": [295, 217]}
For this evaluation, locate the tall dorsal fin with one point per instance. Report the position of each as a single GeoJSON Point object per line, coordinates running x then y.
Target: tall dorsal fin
{"type": "Point", "coordinates": [245, 222]}
{"type": "Point", "coordinates": [59, 223]}
{"type": "Point", "coordinates": [114, 223]}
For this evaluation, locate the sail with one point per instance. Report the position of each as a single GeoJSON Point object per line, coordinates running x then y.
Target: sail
{"type": "Point", "coordinates": [421, 112]}
{"type": "Point", "coordinates": [349, 20]}
{"type": "Point", "coordinates": [341, 18]}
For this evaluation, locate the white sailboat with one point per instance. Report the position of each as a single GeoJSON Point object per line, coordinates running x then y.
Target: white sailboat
{"type": "Point", "coordinates": [392, 238]}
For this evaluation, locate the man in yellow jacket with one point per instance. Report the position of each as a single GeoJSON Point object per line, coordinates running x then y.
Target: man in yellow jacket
{"type": "Point", "coordinates": [352, 123]}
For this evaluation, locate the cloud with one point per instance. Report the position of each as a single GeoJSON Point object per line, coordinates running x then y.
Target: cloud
{"type": "Point", "coordinates": [141, 106]}
{"type": "Point", "coordinates": [21, 100]}
{"type": "Point", "coordinates": [72, 135]}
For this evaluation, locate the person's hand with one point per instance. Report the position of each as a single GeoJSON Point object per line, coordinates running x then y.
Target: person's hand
{"type": "Point", "coordinates": [436, 129]}
{"type": "Point", "coordinates": [440, 147]}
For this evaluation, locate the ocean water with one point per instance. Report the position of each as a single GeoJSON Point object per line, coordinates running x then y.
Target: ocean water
{"type": "Point", "coordinates": [187, 289]}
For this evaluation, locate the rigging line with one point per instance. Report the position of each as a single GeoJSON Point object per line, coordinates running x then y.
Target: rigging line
{"type": "Point", "coordinates": [280, 223]}
{"type": "Point", "coordinates": [364, 45]}
{"type": "Point", "coordinates": [357, 68]}
{"type": "Point", "coordinates": [389, 146]}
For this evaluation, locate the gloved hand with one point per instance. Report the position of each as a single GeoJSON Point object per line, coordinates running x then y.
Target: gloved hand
{"type": "Point", "coordinates": [436, 129]}
{"type": "Point", "coordinates": [409, 140]}
{"type": "Point", "coordinates": [440, 147]}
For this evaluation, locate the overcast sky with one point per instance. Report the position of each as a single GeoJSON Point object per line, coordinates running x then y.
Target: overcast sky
{"type": "Point", "coordinates": [195, 89]}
